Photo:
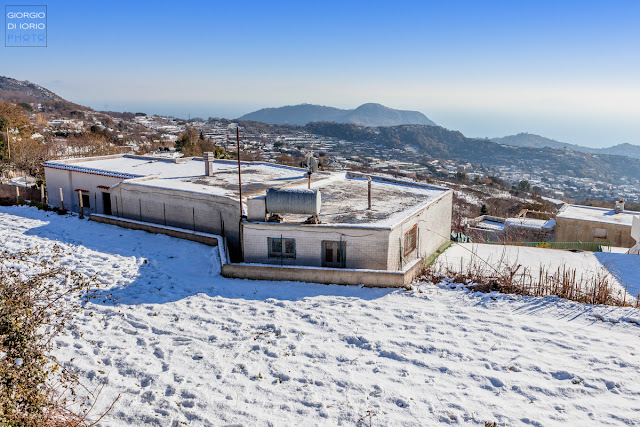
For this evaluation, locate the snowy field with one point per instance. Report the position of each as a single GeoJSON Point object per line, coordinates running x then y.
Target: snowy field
{"type": "Point", "coordinates": [184, 346]}
{"type": "Point", "coordinates": [622, 269]}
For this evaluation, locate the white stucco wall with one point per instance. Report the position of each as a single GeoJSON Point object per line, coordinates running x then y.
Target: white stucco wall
{"type": "Point", "coordinates": [635, 228]}
{"type": "Point", "coordinates": [366, 248]}
{"type": "Point", "coordinates": [72, 180]}
{"type": "Point", "coordinates": [434, 229]}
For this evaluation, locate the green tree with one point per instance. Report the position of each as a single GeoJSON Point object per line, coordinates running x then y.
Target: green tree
{"type": "Point", "coordinates": [187, 140]}
{"type": "Point", "coordinates": [524, 185]}
{"type": "Point", "coordinates": [461, 177]}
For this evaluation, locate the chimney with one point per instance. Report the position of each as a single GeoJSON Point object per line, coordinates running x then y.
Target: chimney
{"type": "Point", "coordinates": [620, 205]}
{"type": "Point", "coordinates": [208, 163]}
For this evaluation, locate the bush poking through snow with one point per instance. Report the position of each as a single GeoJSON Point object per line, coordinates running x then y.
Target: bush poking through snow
{"type": "Point", "coordinates": [38, 301]}
{"type": "Point", "coordinates": [513, 278]}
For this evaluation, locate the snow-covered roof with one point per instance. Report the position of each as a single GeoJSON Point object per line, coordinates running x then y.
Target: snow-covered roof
{"type": "Point", "coordinates": [593, 214]}
{"type": "Point", "coordinates": [530, 223]}
{"type": "Point", "coordinates": [92, 171]}
{"type": "Point", "coordinates": [344, 195]}
{"type": "Point", "coordinates": [486, 224]}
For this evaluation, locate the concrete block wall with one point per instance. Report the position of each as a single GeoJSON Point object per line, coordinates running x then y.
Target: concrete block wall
{"type": "Point", "coordinates": [192, 211]}
{"type": "Point", "coordinates": [574, 230]}
{"type": "Point", "coordinates": [207, 239]}
{"type": "Point", "coordinates": [434, 229]}
{"type": "Point", "coordinates": [366, 248]}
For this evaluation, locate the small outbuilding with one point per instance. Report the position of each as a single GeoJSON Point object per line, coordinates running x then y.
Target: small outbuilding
{"type": "Point", "coordinates": [576, 223]}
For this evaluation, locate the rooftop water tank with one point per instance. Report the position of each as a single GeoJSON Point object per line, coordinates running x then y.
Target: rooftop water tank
{"type": "Point", "coordinates": [289, 201]}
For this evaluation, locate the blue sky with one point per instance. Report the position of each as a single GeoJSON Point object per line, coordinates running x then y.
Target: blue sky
{"type": "Point", "coordinates": [566, 70]}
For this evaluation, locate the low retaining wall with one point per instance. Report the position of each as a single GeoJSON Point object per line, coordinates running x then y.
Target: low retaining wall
{"type": "Point", "coordinates": [205, 238]}
{"type": "Point", "coordinates": [337, 276]}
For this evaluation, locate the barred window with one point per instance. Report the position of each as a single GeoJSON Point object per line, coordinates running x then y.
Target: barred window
{"type": "Point", "coordinates": [280, 247]}
{"type": "Point", "coordinates": [410, 240]}
{"type": "Point", "coordinates": [333, 254]}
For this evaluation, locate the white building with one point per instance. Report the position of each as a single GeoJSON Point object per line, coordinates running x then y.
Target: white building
{"type": "Point", "coordinates": [635, 233]}
{"type": "Point", "coordinates": [576, 223]}
{"type": "Point", "coordinates": [407, 221]}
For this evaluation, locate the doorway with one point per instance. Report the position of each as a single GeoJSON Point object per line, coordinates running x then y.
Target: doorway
{"type": "Point", "coordinates": [106, 203]}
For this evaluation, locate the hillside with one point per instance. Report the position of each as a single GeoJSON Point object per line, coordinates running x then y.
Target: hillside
{"type": "Point", "coordinates": [531, 140]}
{"type": "Point", "coordinates": [439, 142]}
{"type": "Point", "coordinates": [537, 141]}
{"type": "Point", "coordinates": [367, 114]}
{"type": "Point", "coordinates": [625, 149]}
{"type": "Point", "coordinates": [18, 91]}
{"type": "Point", "coordinates": [180, 343]}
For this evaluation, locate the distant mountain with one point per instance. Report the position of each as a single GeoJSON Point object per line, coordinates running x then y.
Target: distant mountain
{"type": "Point", "coordinates": [441, 143]}
{"type": "Point", "coordinates": [537, 141]}
{"type": "Point", "coordinates": [624, 149]}
{"type": "Point", "coordinates": [18, 91]}
{"type": "Point", "coordinates": [367, 114]}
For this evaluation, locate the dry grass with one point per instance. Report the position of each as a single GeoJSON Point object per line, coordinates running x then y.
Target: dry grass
{"type": "Point", "coordinates": [507, 277]}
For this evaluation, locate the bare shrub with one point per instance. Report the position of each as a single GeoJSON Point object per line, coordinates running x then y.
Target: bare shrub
{"type": "Point", "coordinates": [597, 287]}
{"type": "Point", "coordinates": [38, 300]}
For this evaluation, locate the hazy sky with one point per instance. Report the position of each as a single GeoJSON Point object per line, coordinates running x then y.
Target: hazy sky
{"type": "Point", "coordinates": [566, 70]}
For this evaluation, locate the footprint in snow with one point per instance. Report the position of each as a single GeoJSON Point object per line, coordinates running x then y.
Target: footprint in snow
{"type": "Point", "coordinates": [402, 403]}
{"type": "Point", "coordinates": [562, 375]}
{"type": "Point", "coordinates": [496, 382]}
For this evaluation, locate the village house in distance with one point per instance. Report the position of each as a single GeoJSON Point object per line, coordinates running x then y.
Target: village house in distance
{"type": "Point", "coordinates": [337, 227]}
{"type": "Point", "coordinates": [591, 224]}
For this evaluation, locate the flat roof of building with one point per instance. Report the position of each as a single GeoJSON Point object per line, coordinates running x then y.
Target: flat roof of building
{"type": "Point", "coordinates": [344, 195]}
{"type": "Point", "coordinates": [590, 213]}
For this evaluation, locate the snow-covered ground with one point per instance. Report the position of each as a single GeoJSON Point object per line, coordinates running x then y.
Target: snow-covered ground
{"type": "Point", "coordinates": [182, 345]}
{"type": "Point", "coordinates": [621, 269]}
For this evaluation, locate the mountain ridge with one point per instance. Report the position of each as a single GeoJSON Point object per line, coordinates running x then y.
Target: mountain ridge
{"type": "Point", "coordinates": [369, 114]}
{"type": "Point", "coordinates": [525, 139]}
{"type": "Point", "coordinates": [24, 91]}
{"type": "Point", "coordinates": [438, 142]}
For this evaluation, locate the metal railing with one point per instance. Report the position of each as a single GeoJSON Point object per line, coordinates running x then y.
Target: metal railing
{"type": "Point", "coordinates": [578, 246]}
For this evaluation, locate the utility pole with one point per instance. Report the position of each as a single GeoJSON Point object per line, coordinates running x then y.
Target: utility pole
{"type": "Point", "coordinates": [8, 147]}
{"type": "Point", "coordinates": [240, 225]}
{"type": "Point", "coordinates": [239, 169]}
